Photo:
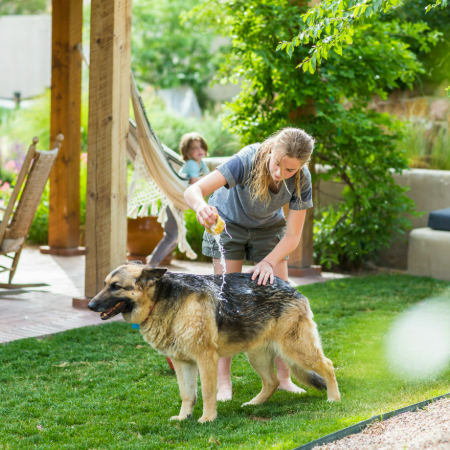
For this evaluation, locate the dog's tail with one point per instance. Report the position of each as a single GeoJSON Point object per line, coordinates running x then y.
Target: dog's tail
{"type": "Point", "coordinates": [308, 377]}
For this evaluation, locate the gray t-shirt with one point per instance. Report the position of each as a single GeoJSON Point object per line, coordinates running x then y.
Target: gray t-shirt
{"type": "Point", "coordinates": [233, 200]}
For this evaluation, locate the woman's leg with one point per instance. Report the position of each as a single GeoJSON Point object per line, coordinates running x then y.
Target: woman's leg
{"type": "Point", "coordinates": [168, 242]}
{"type": "Point", "coordinates": [283, 372]}
{"type": "Point", "coordinates": [224, 390]}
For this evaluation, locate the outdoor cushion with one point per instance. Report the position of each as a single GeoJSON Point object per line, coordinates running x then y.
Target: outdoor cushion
{"type": "Point", "coordinates": [440, 219]}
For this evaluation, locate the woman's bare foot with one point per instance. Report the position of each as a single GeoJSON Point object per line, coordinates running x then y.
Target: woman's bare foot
{"type": "Point", "coordinates": [289, 386]}
{"type": "Point", "coordinates": [224, 393]}
{"type": "Point", "coordinates": [284, 376]}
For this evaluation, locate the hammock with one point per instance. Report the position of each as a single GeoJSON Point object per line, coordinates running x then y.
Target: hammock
{"type": "Point", "coordinates": [155, 184]}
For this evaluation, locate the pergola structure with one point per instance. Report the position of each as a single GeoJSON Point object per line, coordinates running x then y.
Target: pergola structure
{"type": "Point", "coordinates": [109, 94]}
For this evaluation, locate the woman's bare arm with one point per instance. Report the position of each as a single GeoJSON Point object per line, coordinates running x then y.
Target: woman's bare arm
{"type": "Point", "coordinates": [194, 196]}
{"type": "Point", "coordinates": [287, 244]}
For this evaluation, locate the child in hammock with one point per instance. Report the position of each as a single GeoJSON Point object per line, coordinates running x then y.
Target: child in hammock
{"type": "Point", "coordinates": [193, 148]}
{"type": "Point", "coordinates": [248, 192]}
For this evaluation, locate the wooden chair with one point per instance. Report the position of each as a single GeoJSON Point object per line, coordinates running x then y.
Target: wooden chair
{"type": "Point", "coordinates": [28, 190]}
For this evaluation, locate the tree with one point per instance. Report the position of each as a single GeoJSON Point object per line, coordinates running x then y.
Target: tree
{"type": "Point", "coordinates": [331, 25]}
{"type": "Point", "coordinates": [168, 52]}
{"type": "Point", "coordinates": [23, 7]}
{"type": "Point", "coordinates": [355, 142]}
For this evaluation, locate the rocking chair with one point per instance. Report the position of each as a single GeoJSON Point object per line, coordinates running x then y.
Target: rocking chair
{"type": "Point", "coordinates": [16, 223]}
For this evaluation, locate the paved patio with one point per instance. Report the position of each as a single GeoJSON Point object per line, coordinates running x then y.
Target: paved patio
{"type": "Point", "coordinates": [37, 312]}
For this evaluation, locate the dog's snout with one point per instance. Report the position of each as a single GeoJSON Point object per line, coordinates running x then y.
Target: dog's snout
{"type": "Point", "coordinates": [92, 305]}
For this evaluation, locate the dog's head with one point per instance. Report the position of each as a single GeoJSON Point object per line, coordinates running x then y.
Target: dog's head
{"type": "Point", "coordinates": [128, 290]}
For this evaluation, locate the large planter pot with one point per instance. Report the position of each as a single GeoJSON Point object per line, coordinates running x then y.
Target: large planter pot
{"type": "Point", "coordinates": [143, 235]}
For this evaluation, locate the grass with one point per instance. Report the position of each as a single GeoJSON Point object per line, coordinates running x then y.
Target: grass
{"type": "Point", "coordinates": [104, 388]}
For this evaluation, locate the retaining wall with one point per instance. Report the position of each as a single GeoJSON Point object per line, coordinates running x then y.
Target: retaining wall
{"type": "Point", "coordinates": [429, 189]}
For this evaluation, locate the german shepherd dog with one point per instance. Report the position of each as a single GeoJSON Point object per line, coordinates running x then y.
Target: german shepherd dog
{"type": "Point", "coordinates": [189, 319]}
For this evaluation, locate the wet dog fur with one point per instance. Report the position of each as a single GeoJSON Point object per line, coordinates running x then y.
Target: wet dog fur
{"type": "Point", "coordinates": [188, 319]}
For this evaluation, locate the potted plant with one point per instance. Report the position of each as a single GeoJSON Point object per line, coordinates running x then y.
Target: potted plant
{"type": "Point", "coordinates": [143, 235]}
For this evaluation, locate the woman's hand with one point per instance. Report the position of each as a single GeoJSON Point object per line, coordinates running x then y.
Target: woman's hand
{"type": "Point", "coordinates": [194, 196]}
{"type": "Point", "coordinates": [206, 215]}
{"type": "Point", "coordinates": [265, 272]}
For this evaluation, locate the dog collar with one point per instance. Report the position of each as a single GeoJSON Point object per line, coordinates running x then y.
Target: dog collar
{"type": "Point", "coordinates": [151, 309]}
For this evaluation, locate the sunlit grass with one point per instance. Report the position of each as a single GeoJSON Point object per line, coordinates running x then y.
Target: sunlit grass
{"type": "Point", "coordinates": [104, 388]}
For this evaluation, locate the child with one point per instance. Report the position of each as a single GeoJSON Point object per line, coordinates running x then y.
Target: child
{"type": "Point", "coordinates": [193, 148]}
{"type": "Point", "coordinates": [248, 192]}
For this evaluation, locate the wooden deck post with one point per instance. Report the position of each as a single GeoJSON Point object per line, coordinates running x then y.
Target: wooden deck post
{"type": "Point", "coordinates": [109, 97]}
{"type": "Point", "coordinates": [64, 220]}
{"type": "Point", "coordinates": [300, 263]}
{"type": "Point", "coordinates": [301, 260]}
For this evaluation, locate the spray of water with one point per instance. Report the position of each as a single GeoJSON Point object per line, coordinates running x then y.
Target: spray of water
{"type": "Point", "coordinates": [222, 259]}
{"type": "Point", "coordinates": [220, 247]}
{"type": "Point", "coordinates": [418, 344]}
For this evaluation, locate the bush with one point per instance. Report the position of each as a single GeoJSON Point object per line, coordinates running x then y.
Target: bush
{"type": "Point", "coordinates": [170, 127]}
{"type": "Point", "coordinates": [426, 146]}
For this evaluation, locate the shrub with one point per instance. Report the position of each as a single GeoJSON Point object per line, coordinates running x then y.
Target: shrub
{"type": "Point", "coordinates": [426, 146]}
{"type": "Point", "coordinates": [170, 127]}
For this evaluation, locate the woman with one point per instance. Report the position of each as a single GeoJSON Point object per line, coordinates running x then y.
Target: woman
{"type": "Point", "coordinates": [249, 192]}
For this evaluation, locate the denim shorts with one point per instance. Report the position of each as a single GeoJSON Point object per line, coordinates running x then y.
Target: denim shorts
{"type": "Point", "coordinates": [252, 244]}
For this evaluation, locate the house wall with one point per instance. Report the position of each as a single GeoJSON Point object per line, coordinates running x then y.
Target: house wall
{"type": "Point", "coordinates": [25, 55]}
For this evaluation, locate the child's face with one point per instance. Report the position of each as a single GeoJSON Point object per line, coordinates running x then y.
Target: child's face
{"type": "Point", "coordinates": [290, 167]}
{"type": "Point", "coordinates": [196, 151]}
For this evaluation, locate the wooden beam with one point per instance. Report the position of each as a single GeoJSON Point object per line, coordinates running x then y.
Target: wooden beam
{"type": "Point", "coordinates": [301, 260]}
{"type": "Point", "coordinates": [64, 219]}
{"type": "Point", "coordinates": [109, 97]}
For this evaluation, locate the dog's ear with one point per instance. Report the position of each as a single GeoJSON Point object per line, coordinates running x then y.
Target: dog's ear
{"type": "Point", "coordinates": [134, 262]}
{"type": "Point", "coordinates": [150, 275]}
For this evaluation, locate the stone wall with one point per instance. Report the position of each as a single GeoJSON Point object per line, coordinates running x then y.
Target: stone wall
{"type": "Point", "coordinates": [429, 189]}
{"type": "Point", "coordinates": [429, 104]}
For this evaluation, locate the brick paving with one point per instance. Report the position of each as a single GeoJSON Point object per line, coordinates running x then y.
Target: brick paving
{"type": "Point", "coordinates": [36, 312]}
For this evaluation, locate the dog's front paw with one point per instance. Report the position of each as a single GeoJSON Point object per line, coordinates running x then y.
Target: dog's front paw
{"type": "Point", "coordinates": [204, 419]}
{"type": "Point", "coordinates": [180, 417]}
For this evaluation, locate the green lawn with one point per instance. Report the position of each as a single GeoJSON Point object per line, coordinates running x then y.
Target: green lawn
{"type": "Point", "coordinates": [104, 388]}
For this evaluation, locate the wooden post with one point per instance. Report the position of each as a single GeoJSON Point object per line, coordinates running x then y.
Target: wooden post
{"type": "Point", "coordinates": [301, 260]}
{"type": "Point", "coordinates": [109, 97]}
{"type": "Point", "coordinates": [300, 263]}
{"type": "Point", "coordinates": [64, 220]}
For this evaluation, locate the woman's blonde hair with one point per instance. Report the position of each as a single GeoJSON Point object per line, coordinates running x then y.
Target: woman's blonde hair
{"type": "Point", "coordinates": [288, 142]}
{"type": "Point", "coordinates": [186, 141]}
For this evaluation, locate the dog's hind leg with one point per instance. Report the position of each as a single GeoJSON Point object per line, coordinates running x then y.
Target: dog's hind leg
{"type": "Point", "coordinates": [187, 382]}
{"type": "Point", "coordinates": [207, 366]}
{"type": "Point", "coordinates": [262, 361]}
{"type": "Point", "coordinates": [302, 351]}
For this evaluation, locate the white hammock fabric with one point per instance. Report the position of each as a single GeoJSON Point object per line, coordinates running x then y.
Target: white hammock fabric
{"type": "Point", "coordinates": [155, 185]}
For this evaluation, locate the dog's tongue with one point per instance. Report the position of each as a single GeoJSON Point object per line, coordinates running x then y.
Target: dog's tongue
{"type": "Point", "coordinates": [111, 312]}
